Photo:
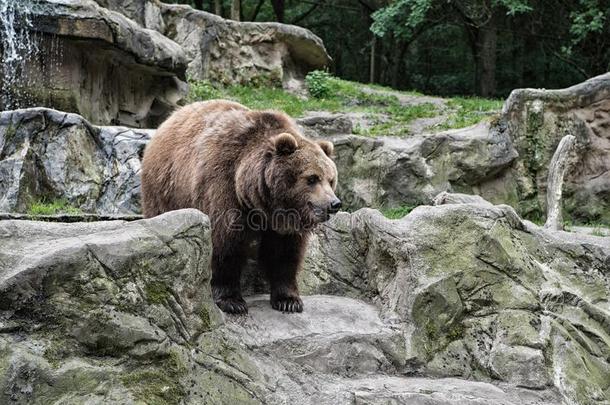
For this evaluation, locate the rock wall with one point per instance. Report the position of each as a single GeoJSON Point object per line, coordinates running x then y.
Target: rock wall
{"type": "Point", "coordinates": [99, 64]}
{"type": "Point", "coordinates": [114, 63]}
{"type": "Point", "coordinates": [538, 120]}
{"type": "Point", "coordinates": [483, 295]}
{"type": "Point", "coordinates": [49, 155]}
{"type": "Point", "coordinates": [461, 303]}
{"type": "Point", "coordinates": [390, 172]}
{"type": "Point", "coordinates": [230, 52]}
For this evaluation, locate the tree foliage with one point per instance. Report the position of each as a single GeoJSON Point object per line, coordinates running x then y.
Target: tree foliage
{"type": "Point", "coordinates": [451, 47]}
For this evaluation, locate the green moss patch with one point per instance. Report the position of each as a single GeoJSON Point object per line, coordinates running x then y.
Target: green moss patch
{"type": "Point", "coordinates": [156, 292]}
{"type": "Point", "coordinates": [55, 207]}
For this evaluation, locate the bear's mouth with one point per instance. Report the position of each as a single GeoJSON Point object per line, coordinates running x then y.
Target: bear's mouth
{"type": "Point", "coordinates": [320, 214]}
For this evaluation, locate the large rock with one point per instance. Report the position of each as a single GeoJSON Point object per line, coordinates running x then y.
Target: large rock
{"type": "Point", "coordinates": [482, 307]}
{"type": "Point", "coordinates": [229, 52]}
{"type": "Point", "coordinates": [411, 171]}
{"type": "Point", "coordinates": [102, 312]}
{"type": "Point", "coordinates": [537, 120]}
{"type": "Point", "coordinates": [480, 294]}
{"type": "Point", "coordinates": [95, 62]}
{"type": "Point", "coordinates": [49, 155]}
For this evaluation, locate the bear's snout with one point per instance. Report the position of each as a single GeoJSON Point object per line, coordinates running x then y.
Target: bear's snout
{"type": "Point", "coordinates": [335, 206]}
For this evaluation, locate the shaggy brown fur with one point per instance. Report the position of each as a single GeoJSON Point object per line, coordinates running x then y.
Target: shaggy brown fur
{"type": "Point", "coordinates": [255, 176]}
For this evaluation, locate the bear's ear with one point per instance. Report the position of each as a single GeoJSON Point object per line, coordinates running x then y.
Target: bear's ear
{"type": "Point", "coordinates": [327, 147]}
{"type": "Point", "coordinates": [285, 144]}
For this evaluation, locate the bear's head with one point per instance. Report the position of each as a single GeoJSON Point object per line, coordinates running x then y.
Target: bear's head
{"type": "Point", "coordinates": [298, 179]}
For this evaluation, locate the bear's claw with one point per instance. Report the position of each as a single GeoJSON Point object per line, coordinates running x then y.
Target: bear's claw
{"type": "Point", "coordinates": [232, 305]}
{"type": "Point", "coordinates": [287, 304]}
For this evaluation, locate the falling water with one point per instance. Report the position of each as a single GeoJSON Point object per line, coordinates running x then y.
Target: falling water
{"type": "Point", "coordinates": [18, 46]}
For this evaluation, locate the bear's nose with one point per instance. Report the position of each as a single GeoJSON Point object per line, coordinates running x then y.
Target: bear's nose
{"type": "Point", "coordinates": [335, 205]}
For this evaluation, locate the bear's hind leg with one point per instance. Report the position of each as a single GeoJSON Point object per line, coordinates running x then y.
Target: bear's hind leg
{"type": "Point", "coordinates": [228, 258]}
{"type": "Point", "coordinates": [280, 256]}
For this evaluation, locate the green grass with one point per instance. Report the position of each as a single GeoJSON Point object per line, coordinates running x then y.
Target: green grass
{"type": "Point", "coordinates": [400, 117]}
{"type": "Point", "coordinates": [52, 208]}
{"type": "Point", "coordinates": [597, 231]}
{"type": "Point", "coordinates": [467, 111]}
{"type": "Point", "coordinates": [397, 212]}
{"type": "Point", "coordinates": [263, 98]}
{"type": "Point", "coordinates": [390, 116]}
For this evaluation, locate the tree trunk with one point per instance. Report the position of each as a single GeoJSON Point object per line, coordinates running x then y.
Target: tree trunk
{"type": "Point", "coordinates": [218, 7]}
{"type": "Point", "coordinates": [235, 10]}
{"type": "Point", "coordinates": [485, 58]}
{"type": "Point", "coordinates": [278, 9]}
{"type": "Point", "coordinates": [373, 64]}
{"type": "Point", "coordinates": [398, 63]}
{"type": "Point", "coordinates": [557, 170]}
{"type": "Point", "coordinates": [198, 4]}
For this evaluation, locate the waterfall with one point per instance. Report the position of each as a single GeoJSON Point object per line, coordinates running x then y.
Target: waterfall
{"type": "Point", "coordinates": [18, 46]}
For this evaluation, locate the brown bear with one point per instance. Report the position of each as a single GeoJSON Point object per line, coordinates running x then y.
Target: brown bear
{"type": "Point", "coordinates": [257, 178]}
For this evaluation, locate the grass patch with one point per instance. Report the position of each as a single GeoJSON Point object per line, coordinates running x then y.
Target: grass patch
{"type": "Point", "coordinates": [467, 111]}
{"type": "Point", "coordinates": [597, 231]}
{"type": "Point", "coordinates": [52, 208]}
{"type": "Point", "coordinates": [341, 96]}
{"type": "Point", "coordinates": [390, 116]}
{"type": "Point", "coordinates": [263, 98]}
{"type": "Point", "coordinates": [399, 117]}
{"type": "Point", "coordinates": [397, 212]}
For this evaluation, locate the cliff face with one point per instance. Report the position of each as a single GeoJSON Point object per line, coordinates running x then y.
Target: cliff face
{"type": "Point", "coordinates": [127, 64]}
{"type": "Point", "coordinates": [461, 303]}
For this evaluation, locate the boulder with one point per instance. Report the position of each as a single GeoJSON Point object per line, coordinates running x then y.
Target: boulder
{"type": "Point", "coordinates": [86, 59]}
{"type": "Point", "coordinates": [230, 52]}
{"type": "Point", "coordinates": [537, 120]}
{"type": "Point", "coordinates": [47, 155]}
{"type": "Point", "coordinates": [121, 312]}
{"type": "Point", "coordinates": [322, 123]}
{"type": "Point", "coordinates": [479, 293]}
{"type": "Point", "coordinates": [388, 172]}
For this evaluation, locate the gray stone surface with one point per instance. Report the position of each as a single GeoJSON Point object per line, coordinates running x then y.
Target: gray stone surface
{"type": "Point", "coordinates": [479, 293]}
{"type": "Point", "coordinates": [537, 120]}
{"type": "Point", "coordinates": [453, 304]}
{"type": "Point", "coordinates": [49, 155]}
{"type": "Point", "coordinates": [100, 64]}
{"type": "Point", "coordinates": [411, 171]}
{"type": "Point", "coordinates": [321, 123]}
{"type": "Point", "coordinates": [228, 52]}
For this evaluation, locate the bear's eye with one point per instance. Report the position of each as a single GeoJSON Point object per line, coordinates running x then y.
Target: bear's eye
{"type": "Point", "coordinates": [313, 179]}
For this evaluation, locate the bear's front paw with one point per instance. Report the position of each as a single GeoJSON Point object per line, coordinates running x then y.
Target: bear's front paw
{"type": "Point", "coordinates": [287, 303]}
{"type": "Point", "coordinates": [232, 305]}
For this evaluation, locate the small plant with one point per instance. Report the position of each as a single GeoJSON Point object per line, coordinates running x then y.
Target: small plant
{"type": "Point", "coordinates": [319, 83]}
{"type": "Point", "coordinates": [43, 207]}
{"type": "Point", "coordinates": [397, 212]}
{"type": "Point", "coordinates": [202, 90]}
{"type": "Point", "coordinates": [597, 231]}
{"type": "Point", "coordinates": [468, 111]}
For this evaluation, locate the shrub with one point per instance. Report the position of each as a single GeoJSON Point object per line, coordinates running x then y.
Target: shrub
{"type": "Point", "coordinates": [201, 91]}
{"type": "Point", "coordinates": [319, 83]}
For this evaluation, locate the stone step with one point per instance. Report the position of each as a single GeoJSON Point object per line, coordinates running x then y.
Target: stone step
{"type": "Point", "coordinates": [335, 335]}
{"type": "Point", "coordinates": [340, 351]}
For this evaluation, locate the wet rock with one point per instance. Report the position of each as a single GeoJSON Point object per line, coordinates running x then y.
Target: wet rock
{"type": "Point", "coordinates": [98, 63]}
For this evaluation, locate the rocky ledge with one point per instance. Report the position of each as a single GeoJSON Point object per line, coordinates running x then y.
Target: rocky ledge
{"type": "Point", "coordinates": [460, 303]}
{"type": "Point", "coordinates": [90, 60]}
{"type": "Point", "coordinates": [50, 155]}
